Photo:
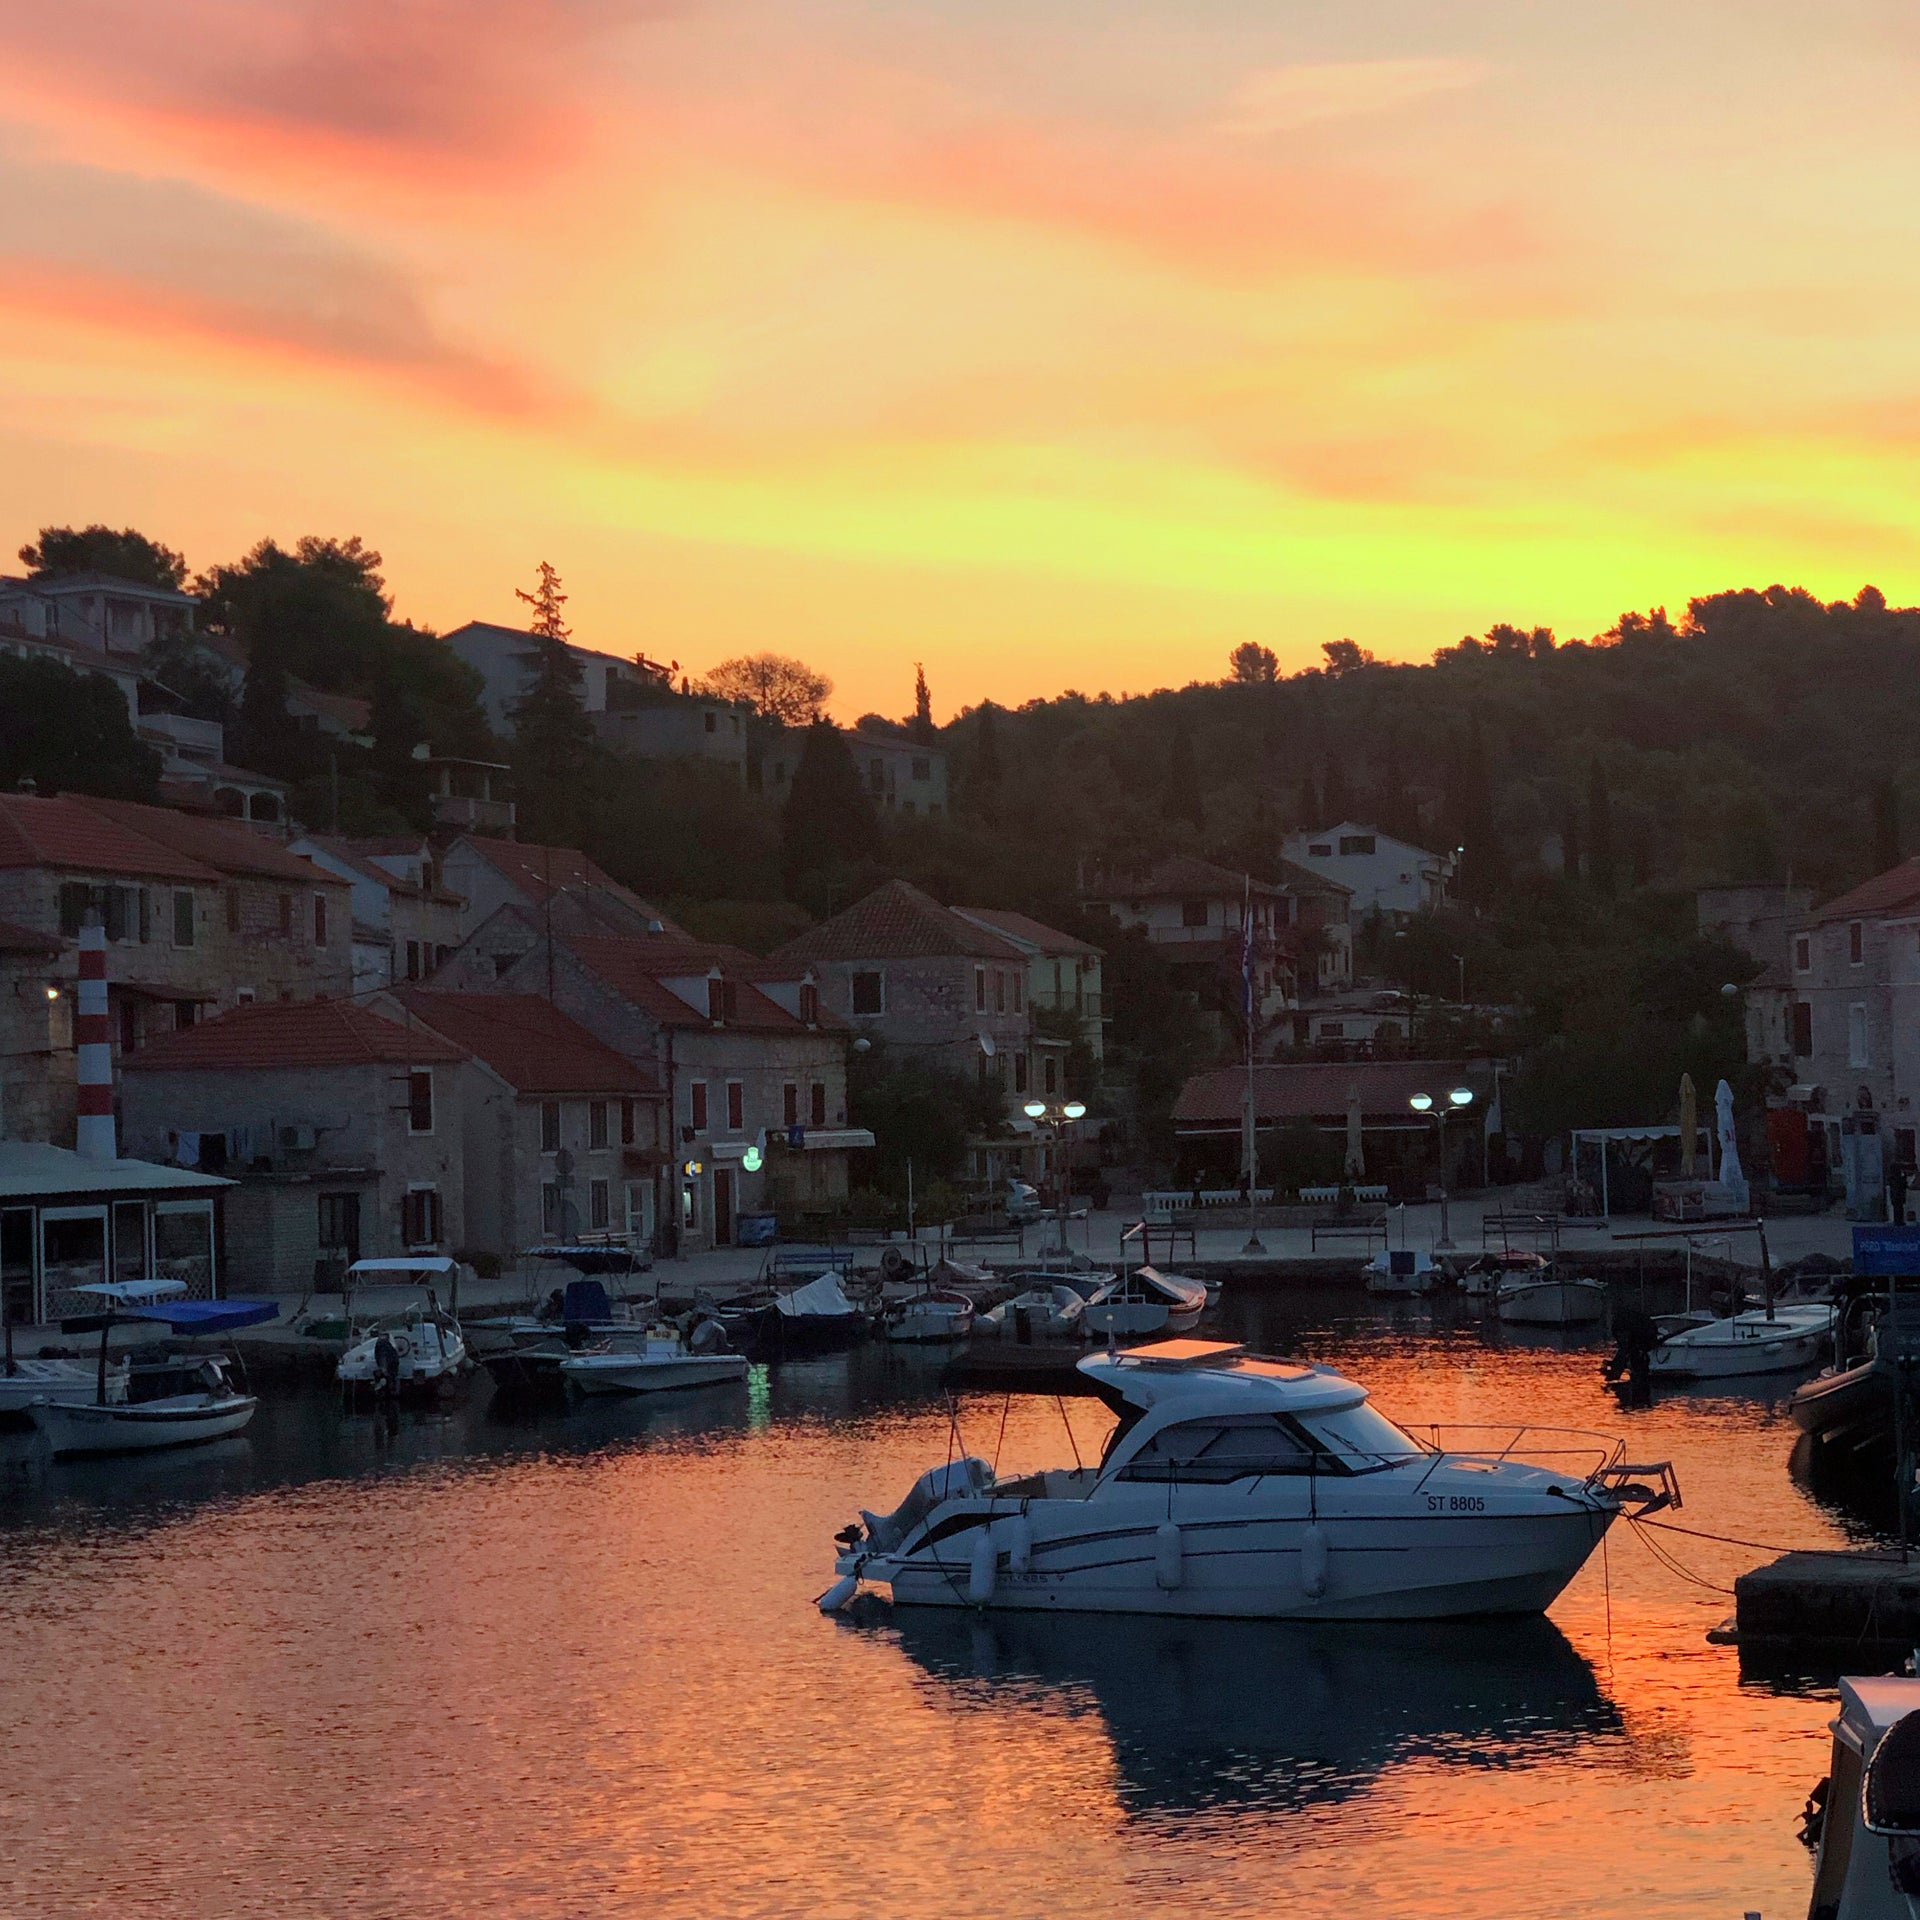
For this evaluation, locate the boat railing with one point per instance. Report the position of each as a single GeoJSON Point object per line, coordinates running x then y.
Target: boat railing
{"type": "Point", "coordinates": [1564, 1448]}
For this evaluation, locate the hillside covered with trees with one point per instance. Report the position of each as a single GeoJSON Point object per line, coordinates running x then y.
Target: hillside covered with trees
{"type": "Point", "coordinates": [1590, 784]}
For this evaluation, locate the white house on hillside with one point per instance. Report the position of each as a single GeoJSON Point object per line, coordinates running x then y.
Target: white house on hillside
{"type": "Point", "coordinates": [1385, 875]}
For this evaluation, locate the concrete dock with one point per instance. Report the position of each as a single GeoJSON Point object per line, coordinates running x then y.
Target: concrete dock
{"type": "Point", "coordinates": [1829, 1607]}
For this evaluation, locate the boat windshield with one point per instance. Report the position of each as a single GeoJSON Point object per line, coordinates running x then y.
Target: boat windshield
{"type": "Point", "coordinates": [1362, 1437]}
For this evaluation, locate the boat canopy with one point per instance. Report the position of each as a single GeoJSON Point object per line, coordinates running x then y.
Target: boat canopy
{"type": "Point", "coordinates": [1216, 1376]}
{"type": "Point", "coordinates": [407, 1263]}
{"type": "Point", "coordinates": [209, 1316]}
{"type": "Point", "coordinates": [131, 1293]}
{"type": "Point", "coordinates": [592, 1259]}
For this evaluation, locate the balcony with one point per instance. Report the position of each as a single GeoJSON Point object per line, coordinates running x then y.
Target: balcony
{"type": "Point", "coordinates": [181, 736]}
{"type": "Point", "coordinates": [469, 814]}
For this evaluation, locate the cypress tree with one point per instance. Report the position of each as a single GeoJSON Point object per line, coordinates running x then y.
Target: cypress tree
{"type": "Point", "coordinates": [828, 819]}
{"type": "Point", "coordinates": [923, 728]}
{"type": "Point", "coordinates": [553, 741]}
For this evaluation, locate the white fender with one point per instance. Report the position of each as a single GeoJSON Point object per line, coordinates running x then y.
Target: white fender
{"type": "Point", "coordinates": [837, 1595]}
{"type": "Point", "coordinates": [1019, 1543]}
{"type": "Point", "coordinates": [1313, 1561]}
{"type": "Point", "coordinates": [1168, 1571]}
{"type": "Point", "coordinates": [984, 1568]}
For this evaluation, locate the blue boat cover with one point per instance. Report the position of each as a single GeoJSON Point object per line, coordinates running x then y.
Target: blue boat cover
{"type": "Point", "coordinates": [587, 1300]}
{"type": "Point", "coordinates": [207, 1316]}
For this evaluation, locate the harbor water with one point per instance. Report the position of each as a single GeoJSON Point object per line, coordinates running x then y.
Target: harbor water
{"type": "Point", "coordinates": [566, 1666]}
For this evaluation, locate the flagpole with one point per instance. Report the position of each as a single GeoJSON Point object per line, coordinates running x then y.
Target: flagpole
{"type": "Point", "coordinates": [1249, 1142]}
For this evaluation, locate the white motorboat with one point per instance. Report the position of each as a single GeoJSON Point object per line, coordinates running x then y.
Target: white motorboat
{"type": "Point", "coordinates": [933, 1318]}
{"type": "Point", "coordinates": [1041, 1313]}
{"type": "Point", "coordinates": [1239, 1486]}
{"type": "Point", "coordinates": [662, 1361]}
{"type": "Point", "coordinates": [417, 1348]}
{"type": "Point", "coordinates": [24, 1382]}
{"type": "Point", "coordinates": [1785, 1341]}
{"type": "Point", "coordinates": [1549, 1301]}
{"type": "Point", "coordinates": [1864, 1818]}
{"type": "Point", "coordinates": [1145, 1301]}
{"type": "Point", "coordinates": [1402, 1270]}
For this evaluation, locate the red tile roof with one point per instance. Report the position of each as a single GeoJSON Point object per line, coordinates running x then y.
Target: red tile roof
{"type": "Point", "coordinates": [1017, 926]}
{"type": "Point", "coordinates": [359, 855]}
{"type": "Point", "coordinates": [294, 1033]}
{"type": "Point", "coordinates": [227, 846]}
{"type": "Point", "coordinates": [538, 870]}
{"type": "Point", "coordinates": [74, 834]}
{"type": "Point", "coordinates": [1180, 876]}
{"type": "Point", "coordinates": [529, 1043]}
{"type": "Point", "coordinates": [1212, 1101]}
{"type": "Point", "coordinates": [635, 969]}
{"type": "Point", "coordinates": [897, 922]}
{"type": "Point", "coordinates": [1893, 892]}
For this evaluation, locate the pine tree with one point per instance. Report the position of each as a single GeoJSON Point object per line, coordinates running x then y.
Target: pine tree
{"type": "Point", "coordinates": [828, 819]}
{"type": "Point", "coordinates": [923, 728]}
{"type": "Point", "coordinates": [1602, 871]}
{"type": "Point", "coordinates": [1183, 781]}
{"type": "Point", "coordinates": [553, 741]}
{"type": "Point", "coordinates": [269, 735]}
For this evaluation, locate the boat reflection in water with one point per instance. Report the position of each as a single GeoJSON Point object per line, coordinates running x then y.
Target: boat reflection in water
{"type": "Point", "coordinates": [1206, 1714]}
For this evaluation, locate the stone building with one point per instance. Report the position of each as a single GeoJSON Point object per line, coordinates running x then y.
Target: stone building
{"type": "Point", "coordinates": [404, 922]}
{"type": "Point", "coordinates": [752, 1066]}
{"type": "Point", "coordinates": [571, 1140]}
{"type": "Point", "coordinates": [344, 1130]}
{"type": "Point", "coordinates": [557, 882]}
{"type": "Point", "coordinates": [200, 915]}
{"type": "Point", "coordinates": [903, 969]}
{"type": "Point", "coordinates": [36, 1037]}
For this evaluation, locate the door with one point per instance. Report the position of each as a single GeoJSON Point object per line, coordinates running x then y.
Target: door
{"type": "Point", "coordinates": [130, 1240]}
{"type": "Point", "coordinates": [16, 1265]}
{"type": "Point", "coordinates": [723, 1206]}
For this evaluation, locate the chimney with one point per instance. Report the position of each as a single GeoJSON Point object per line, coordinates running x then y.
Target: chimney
{"type": "Point", "coordinates": [93, 1046]}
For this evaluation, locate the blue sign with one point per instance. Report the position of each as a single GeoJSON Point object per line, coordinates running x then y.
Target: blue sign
{"type": "Point", "coordinates": [796, 1138]}
{"type": "Point", "coordinates": [1886, 1250]}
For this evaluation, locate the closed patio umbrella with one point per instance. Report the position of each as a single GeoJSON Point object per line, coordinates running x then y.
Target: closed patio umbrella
{"type": "Point", "coordinates": [1356, 1152]}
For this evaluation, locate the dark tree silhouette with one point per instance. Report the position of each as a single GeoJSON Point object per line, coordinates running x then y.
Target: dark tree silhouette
{"type": "Point", "coordinates": [126, 555]}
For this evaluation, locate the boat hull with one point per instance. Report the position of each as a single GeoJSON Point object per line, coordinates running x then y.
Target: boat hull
{"type": "Point", "coordinates": [69, 1381]}
{"type": "Point", "coordinates": [1730, 1350]}
{"type": "Point", "coordinates": [1853, 1401]}
{"type": "Point", "coordinates": [142, 1428]}
{"type": "Point", "coordinates": [1403, 1568]}
{"type": "Point", "coordinates": [634, 1373]}
{"type": "Point", "coordinates": [1553, 1303]}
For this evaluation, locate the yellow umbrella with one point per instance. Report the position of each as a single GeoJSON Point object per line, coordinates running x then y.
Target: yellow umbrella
{"type": "Point", "coordinates": [1689, 1126]}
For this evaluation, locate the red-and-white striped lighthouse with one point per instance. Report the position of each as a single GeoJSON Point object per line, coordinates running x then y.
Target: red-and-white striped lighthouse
{"type": "Point", "coordinates": [93, 1044]}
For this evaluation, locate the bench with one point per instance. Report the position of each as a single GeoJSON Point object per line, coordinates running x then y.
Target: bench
{"type": "Point", "coordinates": [1530, 1226]}
{"type": "Point", "coordinates": [1367, 1231]}
{"type": "Point", "coordinates": [1173, 1228]}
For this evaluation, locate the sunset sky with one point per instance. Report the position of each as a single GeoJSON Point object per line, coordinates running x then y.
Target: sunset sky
{"type": "Point", "coordinates": [1051, 342]}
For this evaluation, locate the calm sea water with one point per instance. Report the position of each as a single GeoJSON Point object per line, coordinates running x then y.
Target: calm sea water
{"type": "Point", "coordinates": [570, 1667]}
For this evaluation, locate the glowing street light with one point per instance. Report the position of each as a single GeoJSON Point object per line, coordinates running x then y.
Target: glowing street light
{"type": "Point", "coordinates": [1423, 1104]}
{"type": "Point", "coordinates": [1035, 1109]}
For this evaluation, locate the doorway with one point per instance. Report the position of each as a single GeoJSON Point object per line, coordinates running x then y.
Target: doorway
{"type": "Point", "coordinates": [723, 1206]}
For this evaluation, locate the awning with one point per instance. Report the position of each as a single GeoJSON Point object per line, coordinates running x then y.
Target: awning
{"type": "Point", "coordinates": [821, 1139]}
{"type": "Point", "coordinates": [407, 1263]}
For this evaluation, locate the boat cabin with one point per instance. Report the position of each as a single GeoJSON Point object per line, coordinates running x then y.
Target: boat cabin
{"type": "Point", "coordinates": [1870, 1820]}
{"type": "Point", "coordinates": [68, 1221]}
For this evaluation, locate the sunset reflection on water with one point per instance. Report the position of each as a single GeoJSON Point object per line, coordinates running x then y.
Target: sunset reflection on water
{"type": "Point", "coordinates": [571, 1667]}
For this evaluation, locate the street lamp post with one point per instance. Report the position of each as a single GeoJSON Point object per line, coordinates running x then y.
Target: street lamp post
{"type": "Point", "coordinates": [1423, 1104]}
{"type": "Point", "coordinates": [1062, 1118]}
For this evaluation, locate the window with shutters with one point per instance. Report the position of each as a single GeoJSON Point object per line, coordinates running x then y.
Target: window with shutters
{"type": "Point", "coordinates": [1856, 944]}
{"type": "Point", "coordinates": [420, 1217]}
{"type": "Point", "coordinates": [1802, 1029]}
{"type": "Point", "coordinates": [809, 1004]}
{"type": "Point", "coordinates": [790, 1105]}
{"type": "Point", "coordinates": [979, 989]}
{"type": "Point", "coordinates": [736, 1106]}
{"type": "Point", "coordinates": [183, 916]}
{"type": "Point", "coordinates": [697, 1105]}
{"type": "Point", "coordinates": [319, 919]}
{"type": "Point", "coordinates": [286, 916]}
{"type": "Point", "coordinates": [420, 1100]}
{"type": "Point", "coordinates": [549, 1126]}
{"type": "Point", "coordinates": [599, 1204]}
{"type": "Point", "coordinates": [596, 1124]}
{"type": "Point", "coordinates": [870, 992]}
{"type": "Point", "coordinates": [549, 1206]}
{"type": "Point", "coordinates": [626, 1123]}
{"type": "Point", "coordinates": [818, 1107]}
